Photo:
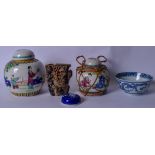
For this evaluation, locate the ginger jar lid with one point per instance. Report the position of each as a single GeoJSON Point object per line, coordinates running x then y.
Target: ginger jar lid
{"type": "Point", "coordinates": [23, 54]}
{"type": "Point", "coordinates": [92, 62]}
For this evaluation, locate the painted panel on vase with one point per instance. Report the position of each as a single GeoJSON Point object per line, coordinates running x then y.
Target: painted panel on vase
{"type": "Point", "coordinates": [24, 77]}
{"type": "Point", "coordinates": [93, 81]}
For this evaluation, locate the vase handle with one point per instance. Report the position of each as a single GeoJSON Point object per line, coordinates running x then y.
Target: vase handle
{"type": "Point", "coordinates": [82, 62]}
{"type": "Point", "coordinates": [102, 59]}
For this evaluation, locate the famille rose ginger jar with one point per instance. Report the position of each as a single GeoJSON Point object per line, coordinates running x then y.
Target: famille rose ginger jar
{"type": "Point", "coordinates": [24, 75]}
{"type": "Point", "coordinates": [92, 76]}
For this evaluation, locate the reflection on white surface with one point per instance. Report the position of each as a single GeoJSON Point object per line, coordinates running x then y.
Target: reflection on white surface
{"type": "Point", "coordinates": [15, 70]}
{"type": "Point", "coordinates": [138, 77]}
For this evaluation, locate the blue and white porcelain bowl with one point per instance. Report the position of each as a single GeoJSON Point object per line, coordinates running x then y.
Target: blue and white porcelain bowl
{"type": "Point", "coordinates": [134, 82]}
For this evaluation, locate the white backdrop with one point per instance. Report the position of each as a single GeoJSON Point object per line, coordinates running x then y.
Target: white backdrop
{"type": "Point", "coordinates": [141, 59]}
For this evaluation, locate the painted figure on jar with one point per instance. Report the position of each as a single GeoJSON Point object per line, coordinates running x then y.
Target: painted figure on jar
{"type": "Point", "coordinates": [7, 82]}
{"type": "Point", "coordinates": [31, 76]}
{"type": "Point", "coordinates": [14, 82]}
{"type": "Point", "coordinates": [101, 82]}
{"type": "Point", "coordinates": [85, 82]}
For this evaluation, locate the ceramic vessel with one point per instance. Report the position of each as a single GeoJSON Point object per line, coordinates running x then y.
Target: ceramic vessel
{"type": "Point", "coordinates": [92, 76]}
{"type": "Point", "coordinates": [24, 75]}
{"type": "Point", "coordinates": [58, 76]}
{"type": "Point", "coordinates": [134, 82]}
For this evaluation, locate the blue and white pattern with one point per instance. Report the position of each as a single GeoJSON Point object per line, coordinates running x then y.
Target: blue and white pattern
{"type": "Point", "coordinates": [134, 88]}
{"type": "Point", "coordinates": [133, 82]}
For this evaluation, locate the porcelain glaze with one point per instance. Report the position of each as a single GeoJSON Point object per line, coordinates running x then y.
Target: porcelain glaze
{"type": "Point", "coordinates": [92, 62]}
{"type": "Point", "coordinates": [24, 75]}
{"type": "Point", "coordinates": [92, 76]}
{"type": "Point", "coordinates": [134, 82]}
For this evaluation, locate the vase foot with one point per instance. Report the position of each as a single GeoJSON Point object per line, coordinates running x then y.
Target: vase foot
{"type": "Point", "coordinates": [27, 94]}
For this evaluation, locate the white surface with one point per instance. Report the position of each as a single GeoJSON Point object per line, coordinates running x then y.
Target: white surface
{"type": "Point", "coordinates": [140, 59]}
{"type": "Point", "coordinates": [115, 98]}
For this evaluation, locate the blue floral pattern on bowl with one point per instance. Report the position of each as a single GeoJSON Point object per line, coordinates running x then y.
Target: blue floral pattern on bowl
{"type": "Point", "coordinates": [134, 82]}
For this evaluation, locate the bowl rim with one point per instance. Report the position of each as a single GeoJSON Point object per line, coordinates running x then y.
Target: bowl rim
{"type": "Point", "coordinates": [148, 80]}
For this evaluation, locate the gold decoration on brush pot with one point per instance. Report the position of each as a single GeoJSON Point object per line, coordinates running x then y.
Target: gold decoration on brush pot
{"type": "Point", "coordinates": [92, 76]}
{"type": "Point", "coordinates": [24, 75]}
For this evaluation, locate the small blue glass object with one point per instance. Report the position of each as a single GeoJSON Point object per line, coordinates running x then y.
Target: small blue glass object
{"type": "Point", "coordinates": [71, 99]}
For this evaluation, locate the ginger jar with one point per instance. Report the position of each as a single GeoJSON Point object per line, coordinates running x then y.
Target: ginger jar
{"type": "Point", "coordinates": [24, 75]}
{"type": "Point", "coordinates": [92, 76]}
